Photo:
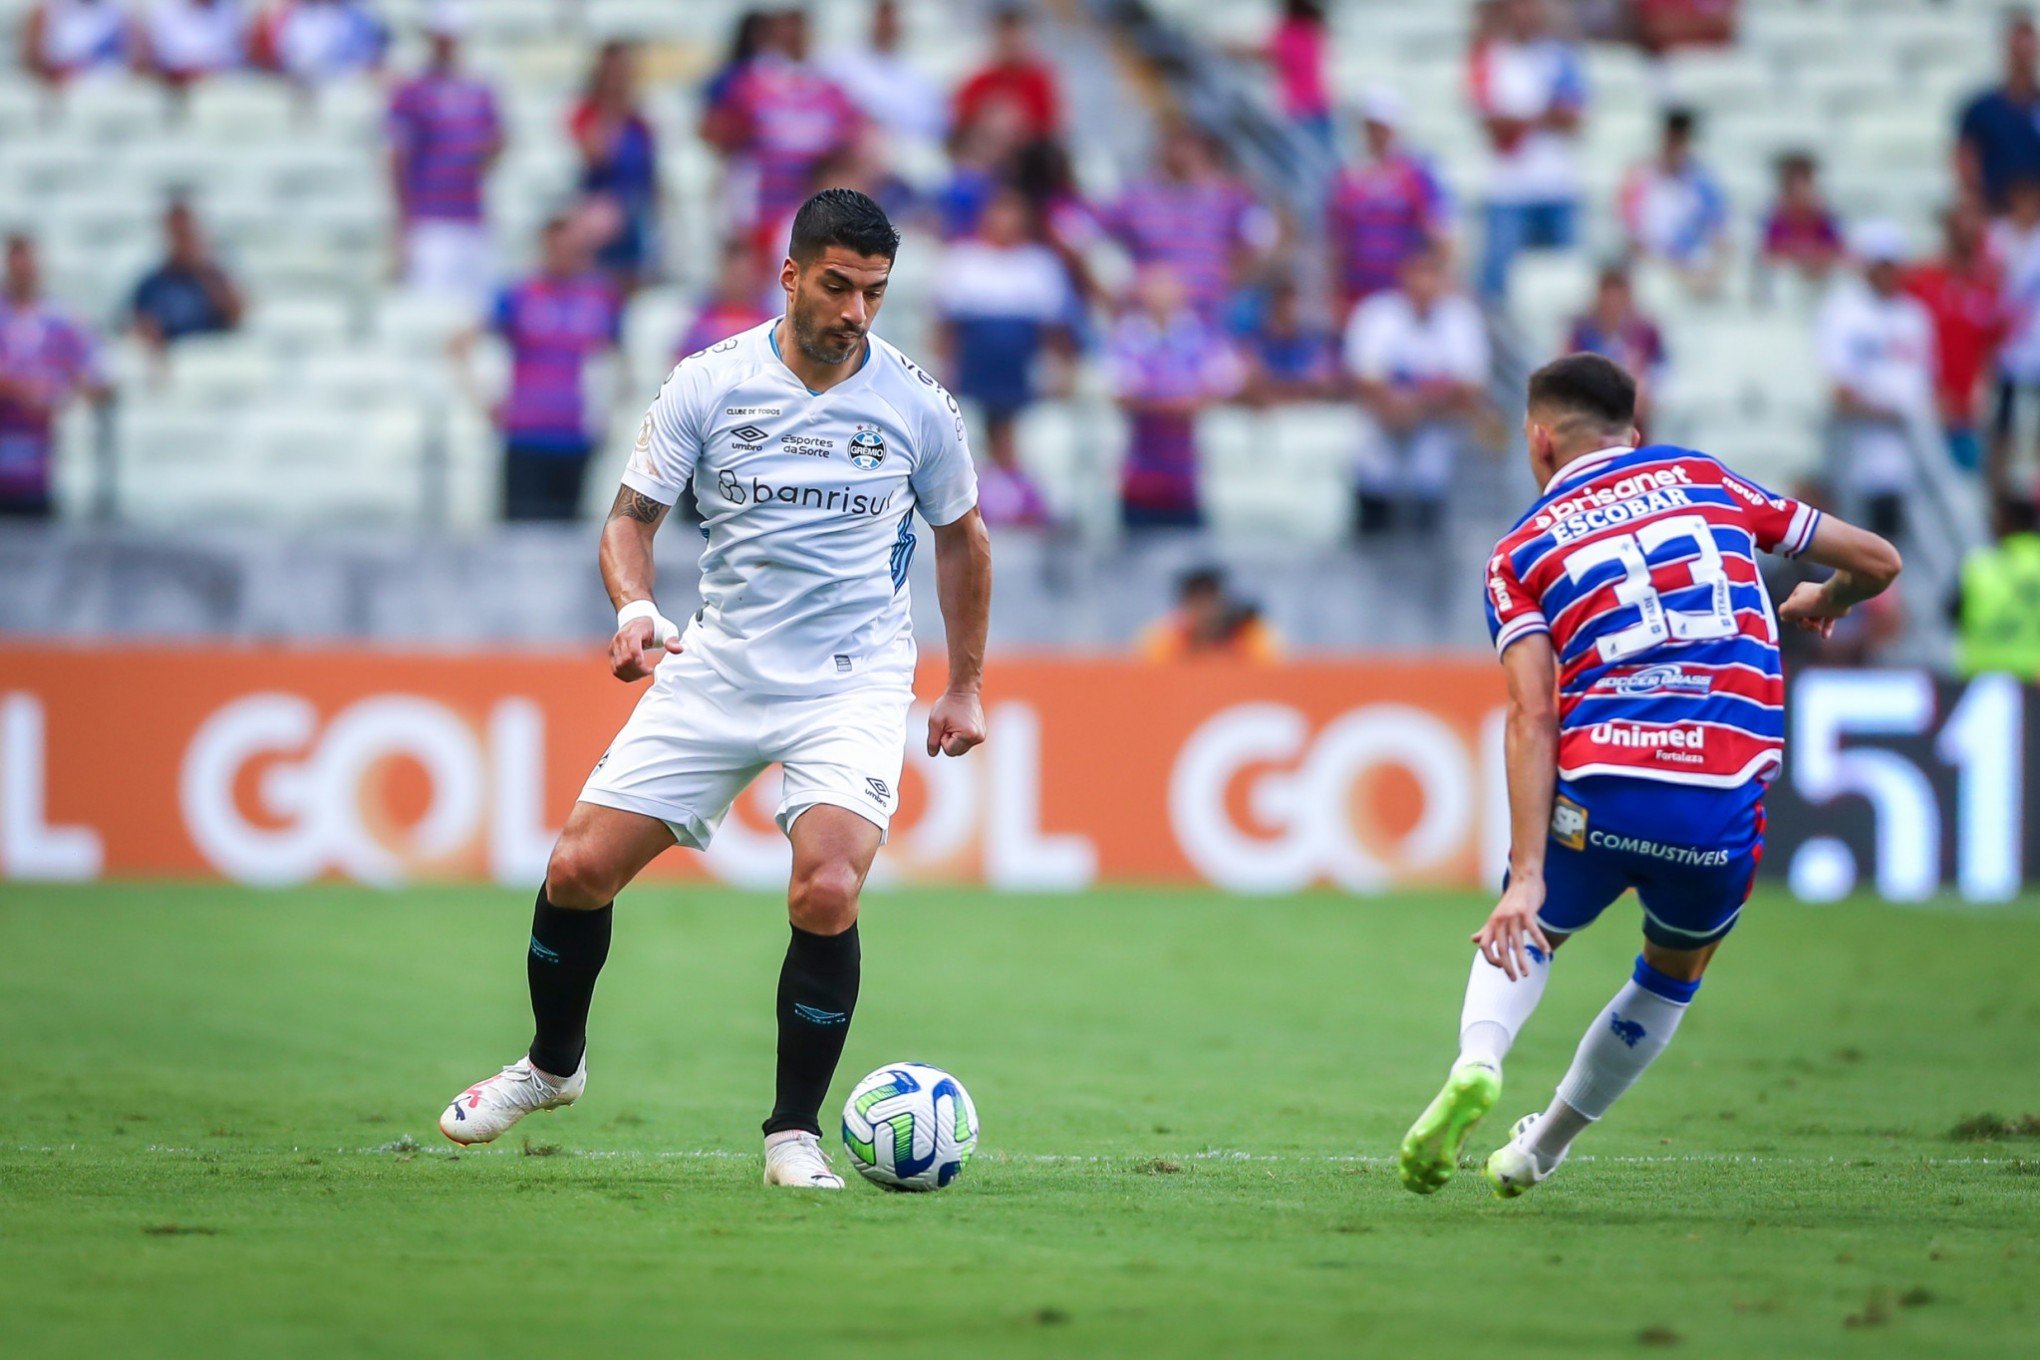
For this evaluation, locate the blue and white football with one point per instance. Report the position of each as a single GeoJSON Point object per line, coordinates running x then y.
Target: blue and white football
{"type": "Point", "coordinates": [909, 1126]}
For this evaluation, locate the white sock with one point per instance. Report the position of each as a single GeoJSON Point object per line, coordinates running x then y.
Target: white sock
{"type": "Point", "coordinates": [1497, 1007]}
{"type": "Point", "coordinates": [1624, 1039]}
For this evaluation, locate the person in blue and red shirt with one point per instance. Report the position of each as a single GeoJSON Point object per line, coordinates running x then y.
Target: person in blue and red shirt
{"type": "Point", "coordinates": [445, 135]}
{"type": "Point", "coordinates": [1614, 329]}
{"type": "Point", "coordinates": [1193, 217]}
{"type": "Point", "coordinates": [554, 323]}
{"type": "Point", "coordinates": [1168, 364]}
{"type": "Point", "coordinates": [735, 302]}
{"type": "Point", "coordinates": [46, 359]}
{"type": "Point", "coordinates": [776, 120]}
{"type": "Point", "coordinates": [1383, 210]}
{"type": "Point", "coordinates": [619, 165]}
{"type": "Point", "coordinates": [1646, 715]}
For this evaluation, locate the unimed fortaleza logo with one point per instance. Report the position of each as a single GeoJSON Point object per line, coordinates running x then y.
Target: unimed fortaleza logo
{"type": "Point", "coordinates": [1299, 794]}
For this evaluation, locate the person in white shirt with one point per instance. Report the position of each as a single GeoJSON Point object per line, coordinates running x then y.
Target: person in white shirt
{"type": "Point", "coordinates": [893, 91]}
{"type": "Point", "coordinates": [1529, 90]}
{"type": "Point", "coordinates": [62, 39]}
{"type": "Point", "coordinates": [313, 41]}
{"type": "Point", "coordinates": [1418, 355]}
{"type": "Point", "coordinates": [810, 446]}
{"type": "Point", "coordinates": [1876, 345]}
{"type": "Point", "coordinates": [188, 40]}
{"type": "Point", "coordinates": [1005, 304]}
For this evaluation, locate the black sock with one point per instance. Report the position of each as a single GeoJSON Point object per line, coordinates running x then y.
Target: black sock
{"type": "Point", "coordinates": [567, 952]}
{"type": "Point", "coordinates": [817, 995]}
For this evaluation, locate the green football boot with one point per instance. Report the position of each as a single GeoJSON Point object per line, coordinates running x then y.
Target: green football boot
{"type": "Point", "coordinates": [1430, 1150]}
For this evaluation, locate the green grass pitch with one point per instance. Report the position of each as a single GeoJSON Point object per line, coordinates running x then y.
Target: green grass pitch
{"type": "Point", "coordinates": [217, 1106]}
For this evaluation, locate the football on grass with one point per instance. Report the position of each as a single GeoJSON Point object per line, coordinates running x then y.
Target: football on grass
{"type": "Point", "coordinates": [909, 1126]}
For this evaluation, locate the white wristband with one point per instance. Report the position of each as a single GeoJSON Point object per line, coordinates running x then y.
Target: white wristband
{"type": "Point", "coordinates": [664, 630]}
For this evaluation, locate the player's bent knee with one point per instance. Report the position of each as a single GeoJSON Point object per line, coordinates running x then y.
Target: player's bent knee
{"type": "Point", "coordinates": [823, 900]}
{"type": "Point", "coordinates": [1686, 965]}
{"type": "Point", "coordinates": [577, 879]}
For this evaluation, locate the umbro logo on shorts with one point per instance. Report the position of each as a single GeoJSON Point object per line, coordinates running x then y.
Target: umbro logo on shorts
{"type": "Point", "coordinates": [880, 789]}
{"type": "Point", "coordinates": [749, 434]}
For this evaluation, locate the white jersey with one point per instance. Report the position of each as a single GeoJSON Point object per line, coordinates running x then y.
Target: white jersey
{"type": "Point", "coordinates": [808, 503]}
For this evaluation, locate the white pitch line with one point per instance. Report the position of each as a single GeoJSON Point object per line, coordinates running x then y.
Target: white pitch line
{"type": "Point", "coordinates": [1037, 1158]}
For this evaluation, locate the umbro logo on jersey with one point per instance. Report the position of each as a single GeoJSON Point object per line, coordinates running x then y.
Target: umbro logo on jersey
{"type": "Point", "coordinates": [748, 434]}
{"type": "Point", "coordinates": [880, 789]}
{"type": "Point", "coordinates": [867, 449]}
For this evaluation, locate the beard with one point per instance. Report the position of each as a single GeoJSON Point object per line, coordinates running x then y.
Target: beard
{"type": "Point", "coordinates": [824, 345]}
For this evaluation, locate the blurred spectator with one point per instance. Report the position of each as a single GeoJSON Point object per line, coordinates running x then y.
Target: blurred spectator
{"type": "Point", "coordinates": [61, 39]}
{"type": "Point", "coordinates": [1043, 174]}
{"type": "Point", "coordinates": [1005, 302]}
{"type": "Point", "coordinates": [1194, 218]}
{"type": "Point", "coordinates": [2015, 243]}
{"type": "Point", "coordinates": [1287, 357]}
{"type": "Point", "coordinates": [1661, 26]}
{"type": "Point", "coordinates": [46, 359]}
{"type": "Point", "coordinates": [1963, 292]}
{"type": "Point", "coordinates": [1383, 210]}
{"type": "Point", "coordinates": [1419, 354]}
{"type": "Point", "coordinates": [982, 156]}
{"type": "Point", "coordinates": [894, 93]}
{"type": "Point", "coordinates": [619, 166]}
{"type": "Point", "coordinates": [1529, 89]}
{"type": "Point", "coordinates": [1673, 208]}
{"type": "Point", "coordinates": [1297, 51]}
{"type": "Point", "coordinates": [1877, 349]}
{"type": "Point", "coordinates": [1997, 605]}
{"type": "Point", "coordinates": [445, 136]}
{"type": "Point", "coordinates": [778, 118]}
{"type": "Point", "coordinates": [189, 293]}
{"type": "Point", "coordinates": [1801, 231]}
{"type": "Point", "coordinates": [1614, 329]}
{"type": "Point", "coordinates": [1209, 623]}
{"type": "Point", "coordinates": [752, 33]}
{"type": "Point", "coordinates": [1016, 75]}
{"type": "Point", "coordinates": [1999, 136]}
{"type": "Point", "coordinates": [554, 323]}
{"type": "Point", "coordinates": [736, 301]}
{"type": "Point", "coordinates": [314, 41]}
{"type": "Point", "coordinates": [184, 41]}
{"type": "Point", "coordinates": [1168, 364]}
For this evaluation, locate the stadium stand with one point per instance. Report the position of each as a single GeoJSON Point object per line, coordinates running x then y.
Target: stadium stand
{"type": "Point", "coordinates": [335, 403]}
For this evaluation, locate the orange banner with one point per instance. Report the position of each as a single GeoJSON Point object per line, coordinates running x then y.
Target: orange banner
{"type": "Point", "coordinates": [280, 766]}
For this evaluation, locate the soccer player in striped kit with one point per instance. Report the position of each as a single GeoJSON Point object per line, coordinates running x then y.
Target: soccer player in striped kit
{"type": "Point", "coordinates": [1646, 716]}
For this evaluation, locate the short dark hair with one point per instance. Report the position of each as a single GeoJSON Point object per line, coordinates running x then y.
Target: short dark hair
{"type": "Point", "coordinates": [1202, 580]}
{"type": "Point", "coordinates": [1587, 390]}
{"type": "Point", "coordinates": [1681, 122]}
{"type": "Point", "coordinates": [846, 218]}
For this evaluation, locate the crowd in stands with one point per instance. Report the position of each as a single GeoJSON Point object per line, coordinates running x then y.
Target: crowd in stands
{"type": "Point", "coordinates": [1217, 296]}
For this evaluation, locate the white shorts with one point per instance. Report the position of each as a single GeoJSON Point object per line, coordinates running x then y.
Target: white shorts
{"type": "Point", "coordinates": [695, 741]}
{"type": "Point", "coordinates": [451, 259]}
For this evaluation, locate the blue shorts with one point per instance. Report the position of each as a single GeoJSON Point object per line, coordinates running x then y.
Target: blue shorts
{"type": "Point", "coordinates": [1691, 894]}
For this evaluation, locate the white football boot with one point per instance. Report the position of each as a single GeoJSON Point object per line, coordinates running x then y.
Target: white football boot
{"type": "Point", "coordinates": [795, 1158]}
{"type": "Point", "coordinates": [1513, 1168]}
{"type": "Point", "coordinates": [487, 1109]}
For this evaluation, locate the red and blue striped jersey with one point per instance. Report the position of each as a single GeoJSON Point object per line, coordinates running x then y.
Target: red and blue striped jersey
{"type": "Point", "coordinates": [1641, 565]}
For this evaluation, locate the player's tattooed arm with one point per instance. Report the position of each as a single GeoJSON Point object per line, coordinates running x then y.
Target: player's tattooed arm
{"type": "Point", "coordinates": [631, 503]}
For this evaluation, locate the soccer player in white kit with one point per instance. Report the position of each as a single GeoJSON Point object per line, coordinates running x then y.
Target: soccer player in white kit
{"type": "Point", "coordinates": [810, 444]}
